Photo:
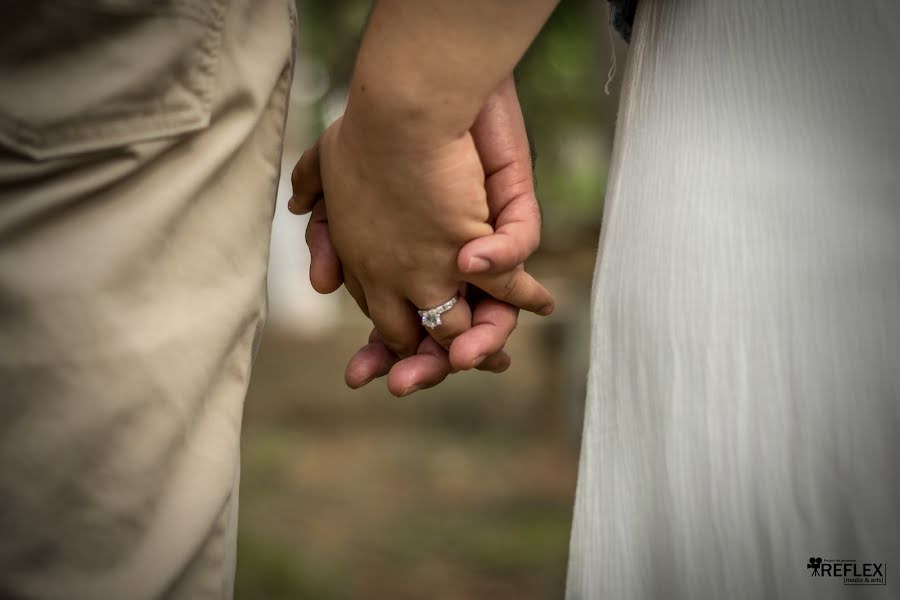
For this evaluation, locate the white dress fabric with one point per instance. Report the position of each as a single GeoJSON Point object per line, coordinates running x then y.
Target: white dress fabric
{"type": "Point", "coordinates": [744, 392]}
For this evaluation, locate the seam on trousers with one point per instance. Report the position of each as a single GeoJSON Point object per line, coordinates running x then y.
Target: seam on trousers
{"type": "Point", "coordinates": [210, 560]}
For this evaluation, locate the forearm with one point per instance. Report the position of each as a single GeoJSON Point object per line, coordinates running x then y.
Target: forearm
{"type": "Point", "coordinates": [427, 66]}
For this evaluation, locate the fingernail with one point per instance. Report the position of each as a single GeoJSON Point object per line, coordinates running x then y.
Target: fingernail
{"type": "Point", "coordinates": [292, 204]}
{"type": "Point", "coordinates": [502, 367]}
{"type": "Point", "coordinates": [411, 390]}
{"type": "Point", "coordinates": [478, 265]}
{"type": "Point", "coordinates": [546, 310]}
{"type": "Point", "coordinates": [479, 360]}
{"type": "Point", "coordinates": [358, 384]}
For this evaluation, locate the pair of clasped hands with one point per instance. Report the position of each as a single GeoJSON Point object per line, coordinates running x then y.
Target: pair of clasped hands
{"type": "Point", "coordinates": [406, 225]}
{"type": "Point", "coordinates": [423, 192]}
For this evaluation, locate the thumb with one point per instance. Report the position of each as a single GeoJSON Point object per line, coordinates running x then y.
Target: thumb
{"type": "Point", "coordinates": [502, 142]}
{"type": "Point", "coordinates": [516, 236]}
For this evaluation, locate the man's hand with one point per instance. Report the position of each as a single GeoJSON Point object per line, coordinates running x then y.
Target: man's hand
{"type": "Point", "coordinates": [502, 145]}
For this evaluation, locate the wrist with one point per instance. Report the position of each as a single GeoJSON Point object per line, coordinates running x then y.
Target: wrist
{"type": "Point", "coordinates": [409, 111]}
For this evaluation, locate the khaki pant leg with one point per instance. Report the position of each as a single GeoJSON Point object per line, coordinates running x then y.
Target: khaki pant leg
{"type": "Point", "coordinates": [139, 155]}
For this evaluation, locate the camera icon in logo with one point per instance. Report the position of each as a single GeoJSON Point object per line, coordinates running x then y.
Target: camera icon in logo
{"type": "Point", "coordinates": [815, 563]}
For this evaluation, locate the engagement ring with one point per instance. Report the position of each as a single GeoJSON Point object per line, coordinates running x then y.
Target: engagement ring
{"type": "Point", "coordinates": [431, 318]}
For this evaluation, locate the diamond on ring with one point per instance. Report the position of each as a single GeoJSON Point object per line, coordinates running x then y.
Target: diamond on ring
{"type": "Point", "coordinates": [431, 318]}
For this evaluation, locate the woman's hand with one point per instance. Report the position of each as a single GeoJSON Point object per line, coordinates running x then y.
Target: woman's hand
{"type": "Point", "coordinates": [398, 215]}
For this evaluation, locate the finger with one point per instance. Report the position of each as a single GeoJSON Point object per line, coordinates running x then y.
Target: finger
{"type": "Point", "coordinates": [356, 291]}
{"type": "Point", "coordinates": [427, 368]}
{"type": "Point", "coordinates": [516, 236]}
{"type": "Point", "coordinates": [518, 288]}
{"type": "Point", "coordinates": [396, 322]}
{"type": "Point", "coordinates": [492, 323]}
{"type": "Point", "coordinates": [306, 181]}
{"type": "Point", "coordinates": [452, 322]}
{"type": "Point", "coordinates": [371, 361]}
{"type": "Point", "coordinates": [325, 271]}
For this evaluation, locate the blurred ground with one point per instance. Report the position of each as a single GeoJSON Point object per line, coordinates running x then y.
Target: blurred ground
{"type": "Point", "coordinates": [461, 491]}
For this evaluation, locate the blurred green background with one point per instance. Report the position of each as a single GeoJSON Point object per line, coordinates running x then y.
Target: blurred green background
{"type": "Point", "coordinates": [465, 490]}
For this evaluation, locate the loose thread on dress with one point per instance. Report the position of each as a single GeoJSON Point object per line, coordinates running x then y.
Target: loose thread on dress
{"type": "Point", "coordinates": [612, 52]}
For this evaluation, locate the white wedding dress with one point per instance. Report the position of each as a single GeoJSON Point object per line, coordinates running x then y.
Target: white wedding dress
{"type": "Point", "coordinates": [744, 392]}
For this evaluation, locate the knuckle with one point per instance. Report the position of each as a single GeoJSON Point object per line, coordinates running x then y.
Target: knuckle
{"type": "Point", "coordinates": [398, 346]}
{"type": "Point", "coordinates": [512, 327]}
{"type": "Point", "coordinates": [510, 257]}
{"type": "Point", "coordinates": [531, 243]}
{"type": "Point", "coordinates": [511, 287]}
{"type": "Point", "coordinates": [445, 338]}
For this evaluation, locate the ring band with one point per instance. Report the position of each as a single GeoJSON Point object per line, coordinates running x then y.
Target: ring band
{"type": "Point", "coordinates": [431, 318]}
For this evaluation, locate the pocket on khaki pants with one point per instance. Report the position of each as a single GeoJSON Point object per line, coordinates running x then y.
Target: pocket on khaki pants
{"type": "Point", "coordinates": [87, 75]}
